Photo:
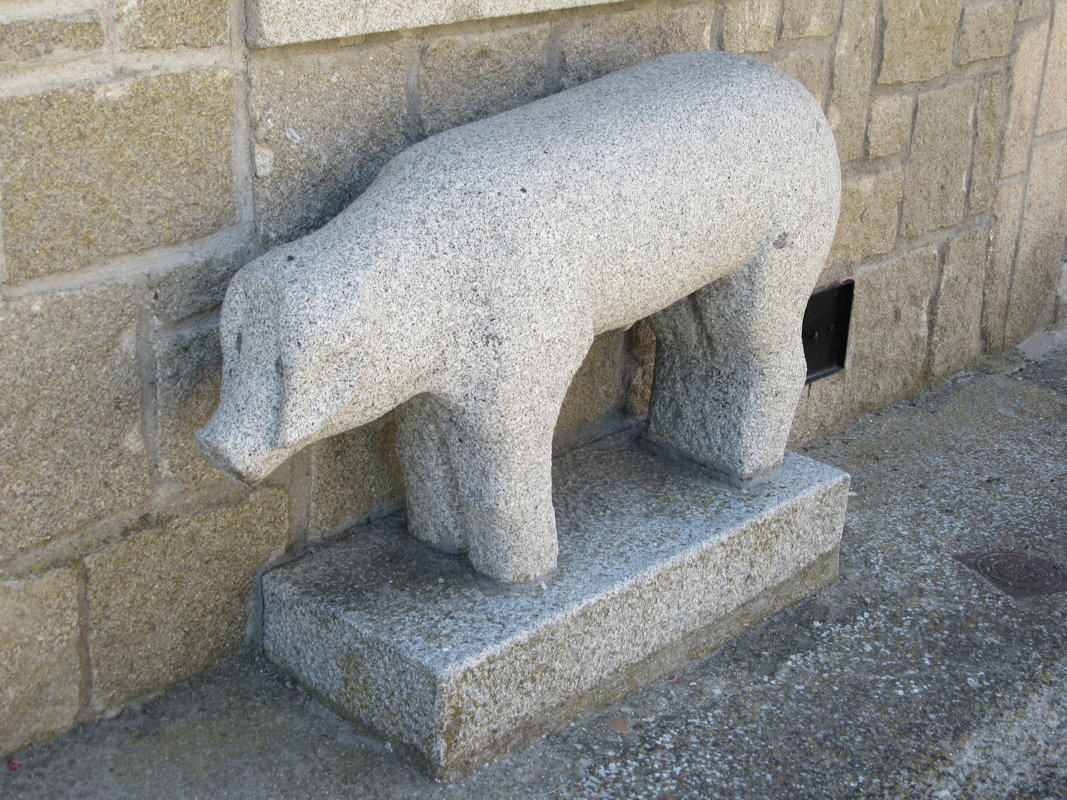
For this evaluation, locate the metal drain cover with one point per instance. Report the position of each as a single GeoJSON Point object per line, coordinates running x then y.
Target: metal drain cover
{"type": "Point", "coordinates": [1016, 574]}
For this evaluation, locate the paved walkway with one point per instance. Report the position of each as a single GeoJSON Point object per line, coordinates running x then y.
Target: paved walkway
{"type": "Point", "coordinates": [911, 677]}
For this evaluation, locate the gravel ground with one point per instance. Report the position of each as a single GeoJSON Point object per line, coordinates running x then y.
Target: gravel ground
{"type": "Point", "coordinates": [912, 676]}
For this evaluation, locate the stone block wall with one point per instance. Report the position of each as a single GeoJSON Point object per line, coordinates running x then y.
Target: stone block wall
{"type": "Point", "coordinates": [148, 149]}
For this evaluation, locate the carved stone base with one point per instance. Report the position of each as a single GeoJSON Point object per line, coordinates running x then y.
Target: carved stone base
{"type": "Point", "coordinates": [659, 564]}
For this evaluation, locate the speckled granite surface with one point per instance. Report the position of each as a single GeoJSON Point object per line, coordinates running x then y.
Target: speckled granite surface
{"type": "Point", "coordinates": [658, 561]}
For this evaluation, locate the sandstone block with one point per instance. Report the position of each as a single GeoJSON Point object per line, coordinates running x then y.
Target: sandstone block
{"type": "Point", "coordinates": [955, 340]}
{"type": "Point", "coordinates": [55, 38]}
{"type": "Point", "coordinates": [71, 448]}
{"type": "Point", "coordinates": [353, 476]}
{"type": "Point", "coordinates": [935, 185]}
{"type": "Point", "coordinates": [870, 206]}
{"type": "Point", "coordinates": [172, 600]}
{"type": "Point", "coordinates": [1028, 9]}
{"type": "Point", "coordinates": [274, 22]}
{"type": "Point", "coordinates": [1026, 70]}
{"type": "Point", "coordinates": [990, 126]}
{"type": "Point", "coordinates": [40, 671]}
{"type": "Point", "coordinates": [810, 66]}
{"type": "Point", "coordinates": [890, 329]}
{"type": "Point", "coordinates": [890, 124]}
{"type": "Point", "coordinates": [187, 367]}
{"type": "Point", "coordinates": [1032, 303]}
{"type": "Point", "coordinates": [92, 172]}
{"type": "Point", "coordinates": [595, 46]}
{"type": "Point", "coordinates": [1053, 114]}
{"type": "Point", "coordinates": [323, 125]}
{"type": "Point", "coordinates": [802, 18]}
{"type": "Point", "coordinates": [750, 26]}
{"type": "Point", "coordinates": [986, 31]}
{"type": "Point", "coordinates": [471, 76]}
{"type": "Point", "coordinates": [194, 286]}
{"type": "Point", "coordinates": [849, 97]}
{"type": "Point", "coordinates": [917, 40]}
{"type": "Point", "coordinates": [1007, 212]}
{"type": "Point", "coordinates": [152, 24]}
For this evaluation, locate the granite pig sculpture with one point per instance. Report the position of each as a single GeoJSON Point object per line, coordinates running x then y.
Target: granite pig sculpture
{"type": "Point", "coordinates": [465, 286]}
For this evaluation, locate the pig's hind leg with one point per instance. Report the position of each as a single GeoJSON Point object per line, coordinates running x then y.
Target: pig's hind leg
{"type": "Point", "coordinates": [730, 362]}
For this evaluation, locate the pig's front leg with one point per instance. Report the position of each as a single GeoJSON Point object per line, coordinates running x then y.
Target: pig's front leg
{"type": "Point", "coordinates": [502, 458]}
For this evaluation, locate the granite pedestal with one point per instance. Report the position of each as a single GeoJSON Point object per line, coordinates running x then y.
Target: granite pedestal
{"type": "Point", "coordinates": [659, 563]}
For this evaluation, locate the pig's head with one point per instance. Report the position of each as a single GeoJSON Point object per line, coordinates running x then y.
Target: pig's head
{"type": "Point", "coordinates": [294, 358]}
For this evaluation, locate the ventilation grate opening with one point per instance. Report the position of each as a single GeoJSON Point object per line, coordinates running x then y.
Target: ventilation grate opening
{"type": "Point", "coordinates": [825, 330]}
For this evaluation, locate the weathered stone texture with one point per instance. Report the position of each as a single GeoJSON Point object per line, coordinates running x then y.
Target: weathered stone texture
{"type": "Point", "coordinates": [986, 31]}
{"type": "Point", "coordinates": [92, 172]}
{"type": "Point", "coordinates": [324, 124]}
{"type": "Point", "coordinates": [1037, 261]}
{"type": "Point", "coordinates": [39, 664]}
{"type": "Point", "coordinates": [809, 66]}
{"type": "Point", "coordinates": [990, 126]}
{"type": "Point", "coordinates": [471, 76]}
{"type": "Point", "coordinates": [71, 448]}
{"type": "Point", "coordinates": [750, 26]}
{"type": "Point", "coordinates": [935, 188]}
{"type": "Point", "coordinates": [802, 18]}
{"type": "Point", "coordinates": [187, 368]}
{"type": "Point", "coordinates": [194, 286]}
{"type": "Point", "coordinates": [955, 340]}
{"type": "Point", "coordinates": [849, 97]}
{"type": "Point", "coordinates": [1028, 9]}
{"type": "Point", "coordinates": [642, 354]}
{"type": "Point", "coordinates": [151, 24]}
{"type": "Point", "coordinates": [870, 207]}
{"type": "Point", "coordinates": [918, 39]}
{"type": "Point", "coordinates": [659, 557]}
{"type": "Point", "coordinates": [1026, 69]}
{"type": "Point", "coordinates": [890, 328]}
{"type": "Point", "coordinates": [1053, 114]}
{"type": "Point", "coordinates": [29, 41]}
{"type": "Point", "coordinates": [274, 22]}
{"type": "Point", "coordinates": [353, 475]}
{"type": "Point", "coordinates": [1007, 209]}
{"type": "Point", "coordinates": [890, 125]}
{"type": "Point", "coordinates": [173, 600]}
{"type": "Point", "coordinates": [597, 386]}
{"type": "Point", "coordinates": [598, 45]}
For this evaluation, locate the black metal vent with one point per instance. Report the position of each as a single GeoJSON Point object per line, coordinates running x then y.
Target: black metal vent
{"type": "Point", "coordinates": [825, 331]}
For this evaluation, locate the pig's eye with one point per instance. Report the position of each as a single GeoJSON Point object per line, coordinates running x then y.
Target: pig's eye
{"type": "Point", "coordinates": [278, 365]}
{"type": "Point", "coordinates": [237, 344]}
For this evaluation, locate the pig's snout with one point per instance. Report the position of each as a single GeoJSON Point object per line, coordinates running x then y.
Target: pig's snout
{"type": "Point", "coordinates": [239, 458]}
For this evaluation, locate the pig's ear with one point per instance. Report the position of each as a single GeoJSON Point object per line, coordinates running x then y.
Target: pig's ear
{"type": "Point", "coordinates": [308, 403]}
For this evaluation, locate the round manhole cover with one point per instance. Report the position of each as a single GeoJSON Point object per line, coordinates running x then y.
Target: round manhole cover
{"type": "Point", "coordinates": [1017, 574]}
